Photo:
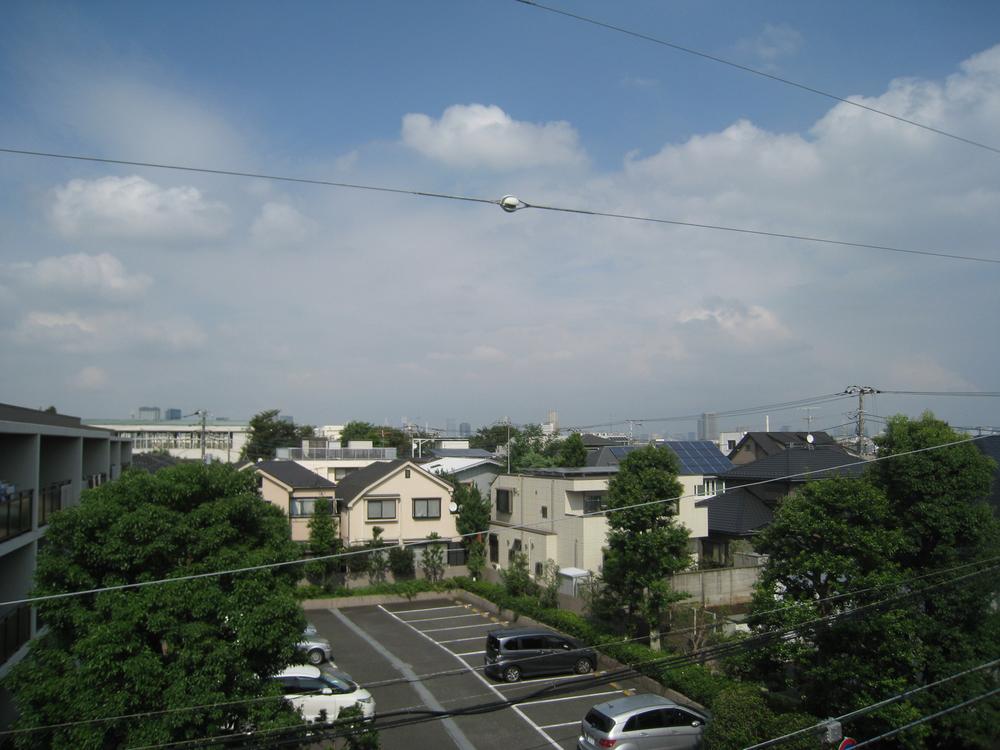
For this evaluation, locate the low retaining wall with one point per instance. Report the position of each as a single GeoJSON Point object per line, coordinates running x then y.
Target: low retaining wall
{"type": "Point", "coordinates": [719, 587]}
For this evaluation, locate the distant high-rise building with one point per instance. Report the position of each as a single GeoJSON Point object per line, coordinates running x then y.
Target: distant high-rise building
{"type": "Point", "coordinates": [149, 412]}
{"type": "Point", "coordinates": [465, 429]}
{"type": "Point", "coordinates": [708, 426]}
{"type": "Point", "coordinates": [173, 413]}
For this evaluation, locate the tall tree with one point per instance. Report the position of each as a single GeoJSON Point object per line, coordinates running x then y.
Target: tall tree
{"type": "Point", "coordinates": [268, 432]}
{"type": "Point", "coordinates": [163, 647]}
{"type": "Point", "coordinates": [323, 541]}
{"type": "Point", "coordinates": [572, 452]}
{"type": "Point", "coordinates": [381, 436]}
{"type": "Point", "coordinates": [473, 511]}
{"type": "Point", "coordinates": [645, 545]}
{"type": "Point", "coordinates": [493, 436]}
{"type": "Point", "coordinates": [898, 532]}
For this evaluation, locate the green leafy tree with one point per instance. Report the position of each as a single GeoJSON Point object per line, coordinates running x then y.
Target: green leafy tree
{"type": "Point", "coordinates": [432, 560]}
{"type": "Point", "coordinates": [402, 563]}
{"type": "Point", "coordinates": [476, 558]}
{"type": "Point", "coordinates": [527, 448]}
{"type": "Point", "coordinates": [548, 585]}
{"type": "Point", "coordinates": [268, 433]}
{"type": "Point", "coordinates": [492, 437]}
{"type": "Point", "coordinates": [323, 540]}
{"type": "Point", "coordinates": [206, 641]}
{"type": "Point", "coordinates": [517, 578]}
{"type": "Point", "coordinates": [473, 512]}
{"type": "Point", "coordinates": [381, 436]}
{"type": "Point", "coordinates": [359, 734]}
{"type": "Point", "coordinates": [645, 546]}
{"type": "Point", "coordinates": [572, 452]}
{"type": "Point", "coordinates": [376, 563]}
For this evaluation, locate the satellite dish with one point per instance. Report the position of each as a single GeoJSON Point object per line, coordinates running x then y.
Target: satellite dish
{"type": "Point", "coordinates": [453, 507]}
{"type": "Point", "coordinates": [810, 439]}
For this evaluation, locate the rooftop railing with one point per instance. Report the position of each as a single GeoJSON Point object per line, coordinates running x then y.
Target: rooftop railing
{"type": "Point", "coordinates": [337, 454]}
{"type": "Point", "coordinates": [15, 514]}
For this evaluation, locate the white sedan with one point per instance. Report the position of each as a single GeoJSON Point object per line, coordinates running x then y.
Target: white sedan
{"type": "Point", "coordinates": [314, 690]}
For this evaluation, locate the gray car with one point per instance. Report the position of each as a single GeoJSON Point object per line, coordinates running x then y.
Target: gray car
{"type": "Point", "coordinates": [642, 722]}
{"type": "Point", "coordinates": [316, 648]}
{"type": "Point", "coordinates": [513, 653]}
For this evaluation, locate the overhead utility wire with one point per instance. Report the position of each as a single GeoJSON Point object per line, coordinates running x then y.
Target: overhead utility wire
{"type": "Point", "coordinates": [462, 670]}
{"type": "Point", "coordinates": [423, 542]}
{"type": "Point", "coordinates": [758, 72]}
{"type": "Point", "coordinates": [929, 717]}
{"type": "Point", "coordinates": [670, 662]}
{"type": "Point", "coordinates": [874, 706]}
{"type": "Point", "coordinates": [509, 203]}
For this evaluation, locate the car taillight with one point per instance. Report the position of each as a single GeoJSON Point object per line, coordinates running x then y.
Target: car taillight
{"type": "Point", "coordinates": [607, 743]}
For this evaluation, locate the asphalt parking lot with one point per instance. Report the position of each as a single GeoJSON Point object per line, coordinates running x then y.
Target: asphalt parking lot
{"type": "Point", "coordinates": [425, 659]}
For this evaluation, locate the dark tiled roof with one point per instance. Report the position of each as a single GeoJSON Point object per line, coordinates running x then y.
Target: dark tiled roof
{"type": "Point", "coordinates": [826, 460]}
{"type": "Point", "coordinates": [737, 512]}
{"type": "Point", "coordinates": [11, 413]}
{"type": "Point", "coordinates": [355, 483]}
{"type": "Point", "coordinates": [295, 475]}
{"type": "Point", "coordinates": [775, 442]}
{"type": "Point", "coordinates": [595, 441]}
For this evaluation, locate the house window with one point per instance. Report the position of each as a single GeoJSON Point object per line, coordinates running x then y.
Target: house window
{"type": "Point", "coordinates": [494, 549]}
{"type": "Point", "coordinates": [426, 507]}
{"type": "Point", "coordinates": [699, 490]}
{"type": "Point", "coordinates": [730, 444]}
{"type": "Point", "coordinates": [593, 503]}
{"type": "Point", "coordinates": [538, 569]}
{"type": "Point", "coordinates": [513, 549]}
{"type": "Point", "coordinates": [456, 553]}
{"type": "Point", "coordinates": [380, 510]}
{"type": "Point", "coordinates": [710, 486]}
{"type": "Point", "coordinates": [407, 473]}
{"type": "Point", "coordinates": [545, 511]}
{"type": "Point", "coordinates": [301, 507]}
{"type": "Point", "coordinates": [503, 501]}
{"type": "Point", "coordinates": [341, 473]}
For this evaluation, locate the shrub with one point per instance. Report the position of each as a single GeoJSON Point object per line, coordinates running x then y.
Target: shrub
{"type": "Point", "coordinates": [401, 562]}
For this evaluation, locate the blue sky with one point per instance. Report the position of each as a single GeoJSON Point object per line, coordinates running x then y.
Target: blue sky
{"type": "Point", "coordinates": [128, 286]}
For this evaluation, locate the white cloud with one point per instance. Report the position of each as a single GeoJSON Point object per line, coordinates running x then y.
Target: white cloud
{"type": "Point", "coordinates": [102, 276]}
{"type": "Point", "coordinates": [279, 224]}
{"type": "Point", "coordinates": [133, 208]}
{"type": "Point", "coordinates": [736, 319]}
{"type": "Point", "coordinates": [476, 135]}
{"type": "Point", "coordinates": [772, 43]}
{"type": "Point", "coordinates": [89, 379]}
{"type": "Point", "coordinates": [101, 332]}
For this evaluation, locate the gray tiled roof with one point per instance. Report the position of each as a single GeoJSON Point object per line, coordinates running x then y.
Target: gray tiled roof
{"type": "Point", "coordinates": [355, 483]}
{"type": "Point", "coordinates": [294, 475]}
{"type": "Point", "coordinates": [825, 460]}
{"type": "Point", "coordinates": [775, 442]}
{"type": "Point", "coordinates": [736, 511]}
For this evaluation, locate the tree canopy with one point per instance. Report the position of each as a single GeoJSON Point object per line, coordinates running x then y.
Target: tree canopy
{"type": "Point", "coordinates": [212, 640]}
{"type": "Point", "coordinates": [381, 436]}
{"type": "Point", "coordinates": [572, 452]}
{"type": "Point", "coordinates": [645, 545]}
{"type": "Point", "coordinates": [268, 432]}
{"type": "Point", "coordinates": [893, 537]}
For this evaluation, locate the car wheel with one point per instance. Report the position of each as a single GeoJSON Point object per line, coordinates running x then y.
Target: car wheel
{"type": "Point", "coordinates": [316, 656]}
{"type": "Point", "coordinates": [583, 666]}
{"type": "Point", "coordinates": [512, 674]}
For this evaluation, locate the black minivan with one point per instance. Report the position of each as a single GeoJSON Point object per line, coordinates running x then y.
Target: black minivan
{"type": "Point", "coordinates": [515, 652]}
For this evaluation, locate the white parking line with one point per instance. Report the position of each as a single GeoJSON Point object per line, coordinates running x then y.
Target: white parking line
{"type": "Point", "coordinates": [446, 617]}
{"type": "Point", "coordinates": [482, 679]}
{"type": "Point", "coordinates": [431, 609]}
{"type": "Point", "coordinates": [458, 640]}
{"type": "Point", "coordinates": [564, 724]}
{"type": "Point", "coordinates": [457, 627]}
{"type": "Point", "coordinates": [570, 698]}
{"type": "Point", "coordinates": [471, 653]}
{"type": "Point", "coordinates": [543, 679]}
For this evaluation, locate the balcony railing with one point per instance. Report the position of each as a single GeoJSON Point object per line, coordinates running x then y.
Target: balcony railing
{"type": "Point", "coordinates": [15, 631]}
{"type": "Point", "coordinates": [50, 501]}
{"type": "Point", "coordinates": [337, 454]}
{"type": "Point", "coordinates": [15, 514]}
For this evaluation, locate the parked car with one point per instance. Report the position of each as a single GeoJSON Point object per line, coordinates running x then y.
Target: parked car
{"type": "Point", "coordinates": [515, 652]}
{"type": "Point", "coordinates": [316, 648]}
{"type": "Point", "coordinates": [642, 722]}
{"type": "Point", "coordinates": [313, 690]}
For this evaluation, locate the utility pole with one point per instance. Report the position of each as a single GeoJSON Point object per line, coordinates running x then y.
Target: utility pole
{"type": "Point", "coordinates": [809, 417]}
{"type": "Point", "coordinates": [861, 391]}
{"type": "Point", "coordinates": [203, 415]}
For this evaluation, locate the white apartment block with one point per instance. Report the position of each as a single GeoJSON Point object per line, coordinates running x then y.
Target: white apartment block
{"type": "Point", "coordinates": [223, 439]}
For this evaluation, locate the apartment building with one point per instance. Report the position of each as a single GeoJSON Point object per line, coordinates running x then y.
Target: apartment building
{"type": "Point", "coordinates": [187, 437]}
{"type": "Point", "coordinates": [46, 461]}
{"type": "Point", "coordinates": [330, 460]}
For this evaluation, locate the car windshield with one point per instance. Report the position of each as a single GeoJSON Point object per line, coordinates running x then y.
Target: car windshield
{"type": "Point", "coordinates": [310, 630]}
{"type": "Point", "coordinates": [339, 680]}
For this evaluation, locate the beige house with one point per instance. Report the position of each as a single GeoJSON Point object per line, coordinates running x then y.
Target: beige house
{"type": "Point", "coordinates": [295, 490]}
{"type": "Point", "coordinates": [407, 502]}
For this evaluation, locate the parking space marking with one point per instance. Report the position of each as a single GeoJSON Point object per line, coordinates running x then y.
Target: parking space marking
{"type": "Point", "coordinates": [457, 627]}
{"type": "Point", "coordinates": [564, 724]}
{"type": "Point", "coordinates": [470, 653]}
{"type": "Point", "coordinates": [446, 617]}
{"type": "Point", "coordinates": [482, 679]}
{"type": "Point", "coordinates": [454, 640]}
{"type": "Point", "coordinates": [433, 609]}
{"type": "Point", "coordinates": [544, 679]}
{"type": "Point", "coordinates": [568, 698]}
{"type": "Point", "coordinates": [453, 730]}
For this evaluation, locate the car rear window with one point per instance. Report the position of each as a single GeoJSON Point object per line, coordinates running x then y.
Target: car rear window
{"type": "Point", "coordinates": [492, 644]}
{"type": "Point", "coordinates": [599, 721]}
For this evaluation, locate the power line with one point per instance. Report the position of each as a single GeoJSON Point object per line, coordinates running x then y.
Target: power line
{"type": "Point", "coordinates": [508, 203]}
{"type": "Point", "coordinates": [929, 717]}
{"type": "Point", "coordinates": [964, 394]}
{"type": "Point", "coordinates": [424, 542]}
{"type": "Point", "coordinates": [758, 72]}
